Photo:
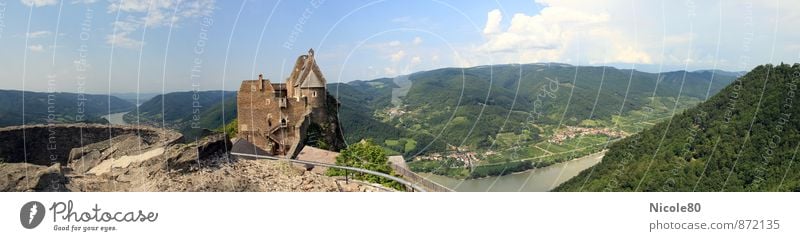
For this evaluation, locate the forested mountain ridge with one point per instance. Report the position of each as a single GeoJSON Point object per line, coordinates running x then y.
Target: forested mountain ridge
{"type": "Point", "coordinates": [744, 138]}
{"type": "Point", "coordinates": [471, 106]}
{"type": "Point", "coordinates": [64, 107]}
{"type": "Point", "coordinates": [479, 108]}
{"type": "Point", "coordinates": [188, 112]}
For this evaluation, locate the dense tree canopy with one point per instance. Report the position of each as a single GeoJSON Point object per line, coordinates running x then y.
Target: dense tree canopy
{"type": "Point", "coordinates": [366, 155]}
{"type": "Point", "coordinates": [742, 139]}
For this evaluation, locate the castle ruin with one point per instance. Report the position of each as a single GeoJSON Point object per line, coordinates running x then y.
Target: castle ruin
{"type": "Point", "coordinates": [281, 118]}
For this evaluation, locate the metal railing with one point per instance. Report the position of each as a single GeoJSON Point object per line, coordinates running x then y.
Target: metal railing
{"type": "Point", "coordinates": [417, 179]}
{"type": "Point", "coordinates": [411, 185]}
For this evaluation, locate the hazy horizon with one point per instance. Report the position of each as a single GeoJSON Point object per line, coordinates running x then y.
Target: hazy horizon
{"type": "Point", "coordinates": [236, 88]}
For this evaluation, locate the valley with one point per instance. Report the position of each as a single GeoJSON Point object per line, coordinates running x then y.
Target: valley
{"type": "Point", "coordinates": [492, 121]}
{"type": "Point", "coordinates": [473, 123]}
{"type": "Point", "coordinates": [116, 118]}
{"type": "Point", "coordinates": [57, 107]}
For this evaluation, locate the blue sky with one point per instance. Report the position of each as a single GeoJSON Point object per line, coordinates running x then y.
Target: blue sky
{"type": "Point", "coordinates": [152, 46]}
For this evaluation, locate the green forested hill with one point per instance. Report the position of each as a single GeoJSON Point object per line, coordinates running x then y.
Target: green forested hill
{"type": "Point", "coordinates": [471, 106]}
{"type": "Point", "coordinates": [358, 103]}
{"type": "Point", "coordinates": [744, 138]}
{"type": "Point", "coordinates": [480, 107]}
{"type": "Point", "coordinates": [66, 107]}
{"type": "Point", "coordinates": [177, 111]}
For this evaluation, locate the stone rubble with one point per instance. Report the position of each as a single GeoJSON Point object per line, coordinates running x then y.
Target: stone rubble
{"type": "Point", "coordinates": [199, 166]}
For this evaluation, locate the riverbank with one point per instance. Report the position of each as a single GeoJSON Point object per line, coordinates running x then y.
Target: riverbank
{"type": "Point", "coordinates": [534, 180]}
{"type": "Point", "coordinates": [116, 118]}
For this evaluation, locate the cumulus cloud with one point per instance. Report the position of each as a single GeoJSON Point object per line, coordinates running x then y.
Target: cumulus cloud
{"type": "Point", "coordinates": [643, 32]}
{"type": "Point", "coordinates": [39, 3]}
{"type": "Point", "coordinates": [493, 22]}
{"type": "Point", "coordinates": [548, 35]}
{"type": "Point", "coordinates": [397, 56]}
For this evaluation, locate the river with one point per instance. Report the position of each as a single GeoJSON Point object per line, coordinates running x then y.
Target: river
{"type": "Point", "coordinates": [116, 118]}
{"type": "Point", "coordinates": [537, 180]}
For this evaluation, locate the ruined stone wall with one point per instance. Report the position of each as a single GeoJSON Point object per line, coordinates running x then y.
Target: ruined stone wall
{"type": "Point", "coordinates": [279, 123]}
{"type": "Point", "coordinates": [260, 116]}
{"type": "Point", "coordinates": [49, 144]}
{"type": "Point", "coordinates": [265, 119]}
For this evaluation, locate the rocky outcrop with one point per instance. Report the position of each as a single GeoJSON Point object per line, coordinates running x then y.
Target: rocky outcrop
{"type": "Point", "coordinates": [48, 144]}
{"type": "Point", "coordinates": [83, 159]}
{"type": "Point", "coordinates": [25, 177]}
{"type": "Point", "coordinates": [254, 176]}
{"type": "Point", "coordinates": [127, 161]}
{"type": "Point", "coordinates": [211, 150]}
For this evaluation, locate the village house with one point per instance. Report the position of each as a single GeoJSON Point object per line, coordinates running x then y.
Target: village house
{"type": "Point", "coordinates": [574, 131]}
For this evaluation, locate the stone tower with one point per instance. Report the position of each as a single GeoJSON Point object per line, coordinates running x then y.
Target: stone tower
{"type": "Point", "coordinates": [307, 81]}
{"type": "Point", "coordinates": [280, 118]}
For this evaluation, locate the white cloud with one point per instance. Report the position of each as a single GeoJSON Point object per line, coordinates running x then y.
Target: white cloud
{"type": "Point", "coordinates": [122, 30]}
{"type": "Point", "coordinates": [36, 48]}
{"type": "Point", "coordinates": [493, 22]}
{"type": "Point", "coordinates": [416, 60]}
{"type": "Point", "coordinates": [417, 40]}
{"type": "Point", "coordinates": [39, 34]}
{"type": "Point", "coordinates": [153, 14]}
{"type": "Point", "coordinates": [83, 1]}
{"type": "Point", "coordinates": [394, 43]}
{"type": "Point", "coordinates": [122, 40]}
{"type": "Point", "coordinates": [642, 32]}
{"type": "Point", "coordinates": [545, 36]}
{"type": "Point", "coordinates": [397, 56]}
{"type": "Point", "coordinates": [140, 6]}
{"type": "Point", "coordinates": [39, 3]}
